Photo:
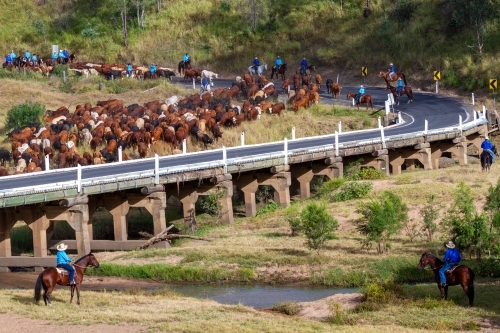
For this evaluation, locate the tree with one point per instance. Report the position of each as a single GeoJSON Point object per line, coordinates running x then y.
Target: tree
{"type": "Point", "coordinates": [40, 28]}
{"type": "Point", "coordinates": [473, 14]}
{"type": "Point", "coordinates": [430, 213]}
{"type": "Point", "coordinates": [254, 11]}
{"type": "Point", "coordinates": [466, 227]}
{"type": "Point", "coordinates": [122, 6]}
{"type": "Point", "coordinates": [292, 216]}
{"type": "Point", "coordinates": [318, 225]}
{"type": "Point", "coordinates": [140, 6]}
{"type": "Point", "coordinates": [381, 219]}
{"type": "Point", "coordinates": [90, 32]}
{"type": "Point", "coordinates": [23, 115]}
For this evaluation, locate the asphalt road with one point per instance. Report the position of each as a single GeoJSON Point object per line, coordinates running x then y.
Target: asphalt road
{"type": "Point", "coordinates": [439, 111]}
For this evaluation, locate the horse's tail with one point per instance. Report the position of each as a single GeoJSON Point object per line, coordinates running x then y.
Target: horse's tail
{"type": "Point", "coordinates": [179, 68]}
{"type": "Point", "coordinates": [470, 289]}
{"type": "Point", "coordinates": [38, 288]}
{"type": "Point", "coordinates": [404, 79]}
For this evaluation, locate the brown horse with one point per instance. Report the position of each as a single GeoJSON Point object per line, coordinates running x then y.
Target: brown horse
{"type": "Point", "coordinates": [51, 276]}
{"type": "Point", "coordinates": [395, 77]}
{"type": "Point", "coordinates": [460, 275]}
{"type": "Point", "coordinates": [181, 67]}
{"type": "Point", "coordinates": [405, 91]}
{"type": "Point", "coordinates": [280, 72]}
{"type": "Point", "coordinates": [365, 98]}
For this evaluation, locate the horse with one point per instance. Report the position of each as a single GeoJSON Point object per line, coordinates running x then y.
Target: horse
{"type": "Point", "coordinates": [72, 57]}
{"type": "Point", "coordinates": [181, 67]}
{"type": "Point", "coordinates": [405, 91]}
{"type": "Point", "coordinates": [309, 70]}
{"type": "Point", "coordinates": [281, 71]}
{"type": "Point", "coordinates": [485, 158]}
{"type": "Point", "coordinates": [457, 275]}
{"type": "Point", "coordinates": [365, 98]}
{"type": "Point", "coordinates": [395, 77]}
{"type": "Point", "coordinates": [52, 276]}
{"type": "Point", "coordinates": [260, 70]}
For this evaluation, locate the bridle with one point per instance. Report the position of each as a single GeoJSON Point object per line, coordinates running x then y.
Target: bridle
{"type": "Point", "coordinates": [427, 263]}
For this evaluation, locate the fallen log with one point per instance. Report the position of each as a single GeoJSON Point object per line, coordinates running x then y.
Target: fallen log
{"type": "Point", "coordinates": [164, 236]}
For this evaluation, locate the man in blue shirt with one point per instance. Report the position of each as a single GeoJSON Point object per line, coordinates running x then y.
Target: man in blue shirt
{"type": "Point", "coordinates": [451, 258]}
{"type": "Point", "coordinates": [129, 70]}
{"type": "Point", "coordinates": [487, 145]}
{"type": "Point", "coordinates": [392, 70]}
{"type": "Point", "coordinates": [54, 58]}
{"type": "Point", "coordinates": [8, 60]}
{"type": "Point", "coordinates": [152, 69]}
{"type": "Point", "coordinates": [361, 91]}
{"type": "Point", "coordinates": [303, 66]}
{"type": "Point", "coordinates": [12, 55]}
{"type": "Point", "coordinates": [205, 85]}
{"type": "Point", "coordinates": [63, 261]}
{"type": "Point", "coordinates": [400, 86]}
{"type": "Point", "coordinates": [278, 63]}
{"type": "Point", "coordinates": [27, 54]}
{"type": "Point", "coordinates": [185, 59]}
{"type": "Point", "coordinates": [256, 64]}
{"type": "Point", "coordinates": [34, 59]}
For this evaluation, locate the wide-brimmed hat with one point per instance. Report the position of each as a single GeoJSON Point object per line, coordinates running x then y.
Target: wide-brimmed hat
{"type": "Point", "coordinates": [450, 245]}
{"type": "Point", "coordinates": [391, 64]}
{"type": "Point", "coordinates": [61, 247]}
{"type": "Point", "coordinates": [486, 137]}
{"type": "Point", "coordinates": [361, 86]}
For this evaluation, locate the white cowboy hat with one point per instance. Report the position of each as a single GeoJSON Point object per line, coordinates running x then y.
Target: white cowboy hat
{"type": "Point", "coordinates": [61, 247]}
{"type": "Point", "coordinates": [361, 86]}
{"type": "Point", "coordinates": [391, 64]}
{"type": "Point", "coordinates": [486, 137]}
{"type": "Point", "coordinates": [450, 245]}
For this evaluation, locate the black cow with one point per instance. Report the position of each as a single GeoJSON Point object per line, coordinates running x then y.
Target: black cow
{"type": "Point", "coordinates": [329, 83]}
{"type": "Point", "coordinates": [5, 155]}
{"type": "Point", "coordinates": [113, 74]}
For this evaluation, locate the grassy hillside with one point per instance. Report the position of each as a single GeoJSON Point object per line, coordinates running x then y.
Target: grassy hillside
{"type": "Point", "coordinates": [416, 35]}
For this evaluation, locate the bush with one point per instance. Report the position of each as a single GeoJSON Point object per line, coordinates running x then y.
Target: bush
{"type": "Point", "coordinates": [288, 308]}
{"type": "Point", "coordinates": [318, 225]}
{"type": "Point", "coordinates": [330, 186]}
{"type": "Point", "coordinates": [352, 190]}
{"type": "Point", "coordinates": [381, 219]}
{"type": "Point", "coordinates": [430, 213]}
{"type": "Point", "coordinates": [292, 216]}
{"type": "Point", "coordinates": [23, 115]}
{"type": "Point", "coordinates": [268, 208]}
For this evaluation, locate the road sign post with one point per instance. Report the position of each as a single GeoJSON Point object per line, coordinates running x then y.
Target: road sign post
{"type": "Point", "coordinates": [437, 77]}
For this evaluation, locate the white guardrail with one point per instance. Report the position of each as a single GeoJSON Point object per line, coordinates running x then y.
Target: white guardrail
{"type": "Point", "coordinates": [225, 162]}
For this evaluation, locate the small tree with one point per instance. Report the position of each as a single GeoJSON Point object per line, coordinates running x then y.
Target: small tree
{"type": "Point", "coordinates": [381, 219]}
{"type": "Point", "coordinates": [23, 115]}
{"type": "Point", "coordinates": [91, 32]}
{"type": "Point", "coordinates": [318, 225]}
{"type": "Point", "coordinates": [430, 213]}
{"type": "Point", "coordinates": [292, 216]}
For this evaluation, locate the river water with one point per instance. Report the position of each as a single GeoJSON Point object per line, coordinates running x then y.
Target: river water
{"type": "Point", "coordinates": [257, 296]}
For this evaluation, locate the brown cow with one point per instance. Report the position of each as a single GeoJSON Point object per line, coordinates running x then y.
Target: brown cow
{"type": "Point", "coordinates": [319, 80]}
{"type": "Point", "coordinates": [302, 103]}
{"type": "Point", "coordinates": [277, 108]}
{"type": "Point", "coordinates": [143, 149]}
{"type": "Point", "coordinates": [336, 88]}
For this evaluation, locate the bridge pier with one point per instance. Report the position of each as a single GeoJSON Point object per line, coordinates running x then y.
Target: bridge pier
{"type": "Point", "coordinates": [423, 154]}
{"type": "Point", "coordinates": [249, 183]}
{"type": "Point", "coordinates": [155, 203]}
{"type": "Point", "coordinates": [304, 174]}
{"type": "Point", "coordinates": [5, 244]}
{"type": "Point", "coordinates": [117, 205]}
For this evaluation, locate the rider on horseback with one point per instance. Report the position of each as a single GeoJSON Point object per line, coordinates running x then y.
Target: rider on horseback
{"type": "Point", "coordinates": [205, 84]}
{"type": "Point", "coordinates": [65, 56]}
{"type": "Point", "coordinates": [392, 70]}
{"type": "Point", "coordinates": [185, 59]}
{"type": "Point", "coordinates": [256, 64]}
{"type": "Point", "coordinates": [303, 66]}
{"type": "Point", "coordinates": [12, 55]}
{"type": "Point", "coordinates": [54, 58]}
{"type": "Point", "coordinates": [360, 93]}
{"type": "Point", "coordinates": [27, 54]}
{"type": "Point", "coordinates": [400, 86]}
{"type": "Point", "coordinates": [278, 63]}
{"type": "Point", "coordinates": [488, 146]}
{"type": "Point", "coordinates": [34, 59]}
{"type": "Point", "coordinates": [8, 59]}
{"type": "Point", "coordinates": [152, 69]}
{"type": "Point", "coordinates": [451, 258]}
{"type": "Point", "coordinates": [129, 70]}
{"type": "Point", "coordinates": [63, 261]}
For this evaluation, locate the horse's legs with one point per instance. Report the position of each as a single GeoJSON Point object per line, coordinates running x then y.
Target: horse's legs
{"type": "Point", "coordinates": [50, 289]}
{"type": "Point", "coordinates": [446, 292]}
{"type": "Point", "coordinates": [77, 293]}
{"type": "Point", "coordinates": [72, 293]}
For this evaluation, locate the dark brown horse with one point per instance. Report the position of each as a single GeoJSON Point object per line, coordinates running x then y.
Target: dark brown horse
{"type": "Point", "coordinates": [486, 159]}
{"type": "Point", "coordinates": [281, 71]}
{"type": "Point", "coordinates": [50, 277]}
{"type": "Point", "coordinates": [459, 275]}
{"type": "Point", "coordinates": [181, 67]}
{"type": "Point", "coordinates": [405, 91]}
{"type": "Point", "coordinates": [395, 77]}
{"type": "Point", "coordinates": [365, 98]}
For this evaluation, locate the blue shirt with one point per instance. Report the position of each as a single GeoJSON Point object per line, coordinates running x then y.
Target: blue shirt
{"type": "Point", "coordinates": [185, 58]}
{"type": "Point", "coordinates": [27, 54]}
{"type": "Point", "coordinates": [486, 144]}
{"type": "Point", "coordinates": [65, 53]}
{"type": "Point", "coordinates": [152, 69]}
{"type": "Point", "coordinates": [392, 68]}
{"type": "Point", "coordinates": [256, 62]}
{"type": "Point", "coordinates": [129, 68]}
{"type": "Point", "coordinates": [34, 58]}
{"type": "Point", "coordinates": [62, 258]}
{"type": "Point", "coordinates": [452, 256]}
{"type": "Point", "coordinates": [400, 83]}
{"type": "Point", "coordinates": [8, 58]}
{"type": "Point", "coordinates": [205, 81]}
{"type": "Point", "coordinates": [12, 55]}
{"type": "Point", "coordinates": [54, 55]}
{"type": "Point", "coordinates": [279, 62]}
{"type": "Point", "coordinates": [61, 54]}
{"type": "Point", "coordinates": [303, 63]}
{"type": "Point", "coordinates": [361, 90]}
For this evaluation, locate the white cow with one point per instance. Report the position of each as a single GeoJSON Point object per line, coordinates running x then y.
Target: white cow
{"type": "Point", "coordinates": [209, 75]}
{"type": "Point", "coordinates": [172, 100]}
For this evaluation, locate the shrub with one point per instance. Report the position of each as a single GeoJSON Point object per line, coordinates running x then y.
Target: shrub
{"type": "Point", "coordinates": [288, 308]}
{"type": "Point", "coordinates": [352, 190]}
{"type": "Point", "coordinates": [430, 213]}
{"type": "Point", "coordinates": [268, 208]}
{"type": "Point", "coordinates": [292, 216]}
{"type": "Point", "coordinates": [318, 225]}
{"type": "Point", "coordinates": [331, 185]}
{"type": "Point", "coordinates": [59, 69]}
{"type": "Point", "coordinates": [381, 219]}
{"type": "Point", "coordinates": [23, 115]}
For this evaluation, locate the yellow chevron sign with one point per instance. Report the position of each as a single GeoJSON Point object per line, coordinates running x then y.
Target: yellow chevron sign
{"type": "Point", "coordinates": [493, 84]}
{"type": "Point", "coordinates": [364, 71]}
{"type": "Point", "coordinates": [437, 75]}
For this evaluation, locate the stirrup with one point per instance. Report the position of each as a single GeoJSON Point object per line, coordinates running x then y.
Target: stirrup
{"type": "Point", "coordinates": [72, 283]}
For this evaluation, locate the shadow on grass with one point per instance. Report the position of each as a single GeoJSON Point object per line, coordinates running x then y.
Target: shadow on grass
{"type": "Point", "coordinates": [276, 234]}
{"type": "Point", "coordinates": [292, 252]}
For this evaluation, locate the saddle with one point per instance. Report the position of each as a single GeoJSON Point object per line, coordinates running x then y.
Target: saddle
{"type": "Point", "coordinates": [452, 268]}
{"type": "Point", "coordinates": [61, 271]}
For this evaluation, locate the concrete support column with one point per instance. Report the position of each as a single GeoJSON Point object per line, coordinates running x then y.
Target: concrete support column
{"type": "Point", "coordinates": [435, 156]}
{"type": "Point", "coordinates": [425, 158]}
{"type": "Point", "coordinates": [281, 183]}
{"type": "Point", "coordinates": [304, 175]}
{"type": "Point", "coordinates": [249, 185]}
{"type": "Point", "coordinates": [7, 221]}
{"type": "Point", "coordinates": [78, 218]}
{"type": "Point", "coordinates": [461, 149]}
{"type": "Point", "coordinates": [155, 204]}
{"type": "Point", "coordinates": [383, 164]}
{"type": "Point", "coordinates": [35, 218]}
{"type": "Point", "coordinates": [227, 202]}
{"type": "Point", "coordinates": [396, 164]}
{"type": "Point", "coordinates": [188, 196]}
{"type": "Point", "coordinates": [118, 207]}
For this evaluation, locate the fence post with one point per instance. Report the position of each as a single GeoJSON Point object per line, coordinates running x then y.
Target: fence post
{"type": "Point", "coordinates": [285, 142]}
{"type": "Point", "coordinates": [293, 133]}
{"type": "Point", "coordinates": [387, 107]}
{"type": "Point", "coordinates": [336, 143]}
{"type": "Point", "coordinates": [157, 169]}
{"type": "Point", "coordinates": [382, 136]}
{"type": "Point", "coordinates": [194, 83]}
{"type": "Point", "coordinates": [475, 116]}
{"type": "Point", "coordinates": [472, 98]}
{"type": "Point", "coordinates": [400, 119]}
{"type": "Point", "coordinates": [184, 149]}
{"type": "Point", "coordinates": [79, 178]}
{"type": "Point", "coordinates": [426, 126]}
{"type": "Point", "coordinates": [379, 123]}
{"type": "Point", "coordinates": [437, 86]}
{"type": "Point", "coordinates": [340, 126]}
{"type": "Point", "coordinates": [224, 158]}
{"type": "Point", "coordinates": [460, 124]}
{"type": "Point", "coordinates": [64, 76]}
{"type": "Point", "coordinates": [47, 162]}
{"type": "Point", "coordinates": [242, 138]}
{"type": "Point", "coordinates": [112, 77]}
{"type": "Point", "coordinates": [338, 78]}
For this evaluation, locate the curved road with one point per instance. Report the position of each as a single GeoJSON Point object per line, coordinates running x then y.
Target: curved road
{"type": "Point", "coordinates": [439, 111]}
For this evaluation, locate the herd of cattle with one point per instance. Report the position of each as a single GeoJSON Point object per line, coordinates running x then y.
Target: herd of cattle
{"type": "Point", "coordinates": [92, 134]}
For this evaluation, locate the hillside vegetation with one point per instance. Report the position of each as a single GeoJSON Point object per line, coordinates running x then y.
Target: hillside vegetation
{"type": "Point", "coordinates": [460, 38]}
